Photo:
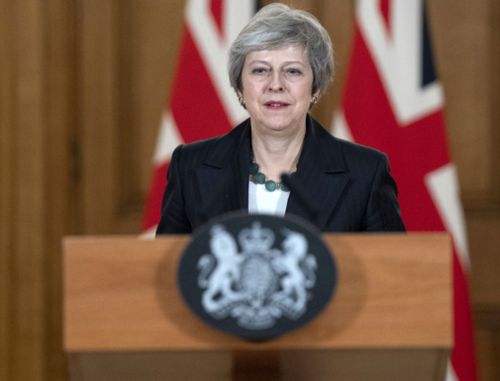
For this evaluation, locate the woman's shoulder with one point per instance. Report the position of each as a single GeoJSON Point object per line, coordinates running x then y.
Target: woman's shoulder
{"type": "Point", "coordinates": [199, 146]}
{"type": "Point", "coordinates": [360, 161]}
{"type": "Point", "coordinates": [350, 151]}
{"type": "Point", "coordinates": [360, 151]}
{"type": "Point", "coordinates": [211, 148]}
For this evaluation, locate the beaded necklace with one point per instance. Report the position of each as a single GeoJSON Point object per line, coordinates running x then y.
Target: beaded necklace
{"type": "Point", "coordinates": [258, 177]}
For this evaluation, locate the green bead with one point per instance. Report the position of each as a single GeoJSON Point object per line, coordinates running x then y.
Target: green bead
{"type": "Point", "coordinates": [259, 178]}
{"type": "Point", "coordinates": [254, 168]}
{"type": "Point", "coordinates": [270, 185]}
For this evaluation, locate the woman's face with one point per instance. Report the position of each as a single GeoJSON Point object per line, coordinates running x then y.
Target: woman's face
{"type": "Point", "coordinates": [277, 86]}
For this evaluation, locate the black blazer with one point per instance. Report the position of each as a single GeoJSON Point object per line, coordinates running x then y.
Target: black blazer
{"type": "Point", "coordinates": [345, 187]}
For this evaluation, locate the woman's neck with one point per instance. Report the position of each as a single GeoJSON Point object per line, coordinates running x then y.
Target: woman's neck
{"type": "Point", "coordinates": [278, 153]}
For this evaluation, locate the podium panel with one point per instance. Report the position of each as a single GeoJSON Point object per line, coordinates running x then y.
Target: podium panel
{"type": "Point", "coordinates": [390, 317]}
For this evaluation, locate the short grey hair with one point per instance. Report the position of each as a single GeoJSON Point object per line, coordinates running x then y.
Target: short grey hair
{"type": "Point", "coordinates": [276, 26]}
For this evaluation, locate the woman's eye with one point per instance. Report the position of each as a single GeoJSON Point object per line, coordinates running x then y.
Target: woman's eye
{"type": "Point", "coordinates": [293, 71]}
{"type": "Point", "coordinates": [259, 70]}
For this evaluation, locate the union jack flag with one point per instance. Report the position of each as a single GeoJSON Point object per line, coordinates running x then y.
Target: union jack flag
{"type": "Point", "coordinates": [393, 101]}
{"type": "Point", "coordinates": [203, 104]}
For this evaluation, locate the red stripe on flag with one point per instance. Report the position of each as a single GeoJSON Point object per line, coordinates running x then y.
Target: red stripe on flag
{"type": "Point", "coordinates": [218, 15]}
{"type": "Point", "coordinates": [385, 9]}
{"type": "Point", "coordinates": [195, 105]}
{"type": "Point", "coordinates": [368, 112]}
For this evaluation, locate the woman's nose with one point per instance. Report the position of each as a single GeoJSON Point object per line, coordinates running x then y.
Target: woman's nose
{"type": "Point", "coordinates": [276, 82]}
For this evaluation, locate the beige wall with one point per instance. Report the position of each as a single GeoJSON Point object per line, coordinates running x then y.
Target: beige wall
{"type": "Point", "coordinates": [82, 86]}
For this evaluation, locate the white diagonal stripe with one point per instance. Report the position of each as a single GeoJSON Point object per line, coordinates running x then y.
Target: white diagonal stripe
{"type": "Point", "coordinates": [339, 127]}
{"type": "Point", "coordinates": [450, 373]}
{"type": "Point", "coordinates": [214, 49]}
{"type": "Point", "coordinates": [443, 188]}
{"type": "Point", "coordinates": [398, 58]}
{"type": "Point", "coordinates": [168, 139]}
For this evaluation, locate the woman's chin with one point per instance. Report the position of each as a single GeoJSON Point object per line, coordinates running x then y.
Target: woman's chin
{"type": "Point", "coordinates": [276, 123]}
{"type": "Point", "coordinates": [283, 126]}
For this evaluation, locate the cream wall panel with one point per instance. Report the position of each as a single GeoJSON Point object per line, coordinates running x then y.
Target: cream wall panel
{"type": "Point", "coordinates": [59, 134]}
{"type": "Point", "coordinates": [35, 100]}
{"type": "Point", "coordinates": [155, 33]}
{"type": "Point", "coordinates": [462, 32]}
{"type": "Point", "coordinates": [98, 117]}
{"type": "Point", "coordinates": [27, 335]}
{"type": "Point", "coordinates": [6, 191]}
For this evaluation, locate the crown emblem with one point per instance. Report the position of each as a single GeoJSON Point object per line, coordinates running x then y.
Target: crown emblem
{"type": "Point", "coordinates": [256, 238]}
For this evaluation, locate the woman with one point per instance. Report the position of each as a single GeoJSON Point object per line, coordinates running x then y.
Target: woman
{"type": "Point", "coordinates": [280, 65]}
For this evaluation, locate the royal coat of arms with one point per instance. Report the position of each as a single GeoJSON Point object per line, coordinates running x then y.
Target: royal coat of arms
{"type": "Point", "coordinates": [260, 283]}
{"type": "Point", "coordinates": [256, 276]}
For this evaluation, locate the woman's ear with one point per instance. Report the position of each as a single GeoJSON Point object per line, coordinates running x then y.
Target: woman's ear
{"type": "Point", "coordinates": [241, 99]}
{"type": "Point", "coordinates": [314, 99]}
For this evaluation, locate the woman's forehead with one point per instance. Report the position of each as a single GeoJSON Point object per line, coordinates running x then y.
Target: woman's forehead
{"type": "Point", "coordinates": [295, 53]}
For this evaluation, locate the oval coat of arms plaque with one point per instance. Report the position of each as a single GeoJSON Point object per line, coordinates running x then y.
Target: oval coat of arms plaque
{"type": "Point", "coordinates": [256, 276]}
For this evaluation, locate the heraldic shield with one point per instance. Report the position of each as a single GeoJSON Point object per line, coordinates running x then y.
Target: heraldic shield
{"type": "Point", "coordinates": [257, 276]}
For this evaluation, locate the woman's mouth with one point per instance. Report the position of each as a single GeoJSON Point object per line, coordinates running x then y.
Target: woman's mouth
{"type": "Point", "coordinates": [276, 105]}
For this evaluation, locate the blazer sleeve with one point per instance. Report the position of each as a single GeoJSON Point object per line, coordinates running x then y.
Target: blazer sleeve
{"type": "Point", "coordinates": [173, 219]}
{"type": "Point", "coordinates": [382, 211]}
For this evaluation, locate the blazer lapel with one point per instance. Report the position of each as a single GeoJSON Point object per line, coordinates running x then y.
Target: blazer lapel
{"type": "Point", "coordinates": [320, 179]}
{"type": "Point", "coordinates": [223, 176]}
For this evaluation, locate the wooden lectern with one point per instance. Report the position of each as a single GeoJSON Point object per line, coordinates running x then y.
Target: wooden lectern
{"type": "Point", "coordinates": [390, 318]}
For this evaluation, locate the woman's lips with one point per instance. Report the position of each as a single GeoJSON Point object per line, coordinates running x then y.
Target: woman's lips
{"type": "Point", "coordinates": [276, 104]}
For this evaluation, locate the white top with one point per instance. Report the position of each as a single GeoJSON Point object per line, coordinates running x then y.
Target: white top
{"type": "Point", "coordinates": [261, 201]}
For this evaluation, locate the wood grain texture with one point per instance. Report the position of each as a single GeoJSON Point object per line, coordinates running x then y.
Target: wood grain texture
{"type": "Point", "coordinates": [6, 190]}
{"type": "Point", "coordinates": [59, 137]}
{"type": "Point", "coordinates": [495, 100]}
{"type": "Point", "coordinates": [121, 293]}
{"type": "Point", "coordinates": [33, 106]}
{"type": "Point", "coordinates": [321, 365]}
{"type": "Point", "coordinates": [28, 294]}
{"type": "Point", "coordinates": [149, 48]}
{"type": "Point", "coordinates": [98, 113]}
{"type": "Point", "coordinates": [462, 33]}
{"type": "Point", "coordinates": [124, 316]}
